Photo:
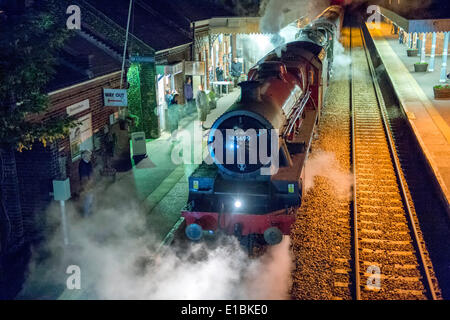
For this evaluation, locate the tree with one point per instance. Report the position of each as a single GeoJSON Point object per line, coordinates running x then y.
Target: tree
{"type": "Point", "coordinates": [30, 38]}
{"type": "Point", "coordinates": [29, 43]}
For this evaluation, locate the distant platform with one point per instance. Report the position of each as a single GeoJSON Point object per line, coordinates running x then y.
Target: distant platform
{"type": "Point", "coordinates": [429, 118]}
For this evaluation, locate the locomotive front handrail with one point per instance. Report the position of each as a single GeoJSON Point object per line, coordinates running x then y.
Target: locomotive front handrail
{"type": "Point", "coordinates": [297, 114]}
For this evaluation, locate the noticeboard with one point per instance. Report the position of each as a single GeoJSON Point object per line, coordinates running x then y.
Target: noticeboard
{"type": "Point", "coordinates": [194, 68]}
{"type": "Point", "coordinates": [81, 137]}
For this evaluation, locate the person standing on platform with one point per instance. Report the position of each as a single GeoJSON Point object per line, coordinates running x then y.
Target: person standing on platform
{"type": "Point", "coordinates": [189, 96]}
{"type": "Point", "coordinates": [219, 73]}
{"type": "Point", "coordinates": [86, 182]}
{"type": "Point", "coordinates": [202, 105]}
{"type": "Point", "coordinates": [220, 77]}
{"type": "Point", "coordinates": [168, 97]}
{"type": "Point", "coordinates": [236, 70]}
{"type": "Point", "coordinates": [173, 115]}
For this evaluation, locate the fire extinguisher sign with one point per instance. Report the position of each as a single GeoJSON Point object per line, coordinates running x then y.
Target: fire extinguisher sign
{"type": "Point", "coordinates": [115, 97]}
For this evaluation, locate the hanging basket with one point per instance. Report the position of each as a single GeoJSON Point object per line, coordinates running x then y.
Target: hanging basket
{"type": "Point", "coordinates": [442, 92]}
{"type": "Point", "coordinates": [412, 52]}
{"type": "Point", "coordinates": [420, 67]}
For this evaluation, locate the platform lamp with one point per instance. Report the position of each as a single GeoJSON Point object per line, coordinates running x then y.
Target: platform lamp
{"type": "Point", "coordinates": [123, 110]}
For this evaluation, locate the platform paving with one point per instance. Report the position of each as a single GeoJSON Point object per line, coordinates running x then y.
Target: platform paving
{"type": "Point", "coordinates": [164, 200]}
{"type": "Point", "coordinates": [429, 118]}
{"type": "Point", "coordinates": [155, 184]}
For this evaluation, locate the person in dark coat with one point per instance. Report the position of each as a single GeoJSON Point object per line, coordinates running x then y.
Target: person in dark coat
{"type": "Point", "coordinates": [236, 70]}
{"type": "Point", "coordinates": [202, 105]}
{"type": "Point", "coordinates": [220, 77]}
{"type": "Point", "coordinates": [219, 73]}
{"type": "Point", "coordinates": [173, 113]}
{"type": "Point", "coordinates": [189, 96]}
{"type": "Point", "coordinates": [168, 97]}
{"type": "Point", "coordinates": [86, 182]}
{"type": "Point", "coordinates": [85, 167]}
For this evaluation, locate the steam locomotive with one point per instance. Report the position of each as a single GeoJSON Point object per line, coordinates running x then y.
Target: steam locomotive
{"type": "Point", "coordinates": [254, 179]}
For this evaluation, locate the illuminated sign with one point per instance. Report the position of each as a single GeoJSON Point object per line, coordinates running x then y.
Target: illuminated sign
{"type": "Point", "coordinates": [115, 97]}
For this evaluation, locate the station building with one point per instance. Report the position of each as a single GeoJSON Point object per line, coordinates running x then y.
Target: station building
{"type": "Point", "coordinates": [90, 62]}
{"type": "Point", "coordinates": [426, 38]}
{"type": "Point", "coordinates": [220, 39]}
{"type": "Point", "coordinates": [412, 47]}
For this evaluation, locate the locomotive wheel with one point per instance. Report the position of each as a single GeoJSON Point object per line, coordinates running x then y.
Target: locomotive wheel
{"type": "Point", "coordinates": [273, 236]}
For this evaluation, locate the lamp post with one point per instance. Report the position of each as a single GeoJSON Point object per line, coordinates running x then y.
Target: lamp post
{"type": "Point", "coordinates": [123, 110]}
{"type": "Point", "coordinates": [444, 59]}
{"type": "Point", "coordinates": [433, 52]}
{"type": "Point", "coordinates": [424, 41]}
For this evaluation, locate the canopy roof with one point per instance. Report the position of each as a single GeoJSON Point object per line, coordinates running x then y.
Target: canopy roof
{"type": "Point", "coordinates": [227, 25]}
{"type": "Point", "coordinates": [419, 26]}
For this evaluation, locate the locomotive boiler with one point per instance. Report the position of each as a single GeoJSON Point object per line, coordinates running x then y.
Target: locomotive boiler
{"type": "Point", "coordinates": [254, 179]}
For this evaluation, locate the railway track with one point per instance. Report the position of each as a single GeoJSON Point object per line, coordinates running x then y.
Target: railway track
{"type": "Point", "coordinates": [389, 255]}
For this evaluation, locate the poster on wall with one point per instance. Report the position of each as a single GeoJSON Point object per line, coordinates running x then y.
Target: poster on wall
{"type": "Point", "coordinates": [81, 137]}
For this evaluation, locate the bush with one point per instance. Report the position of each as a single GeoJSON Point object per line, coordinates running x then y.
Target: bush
{"type": "Point", "coordinates": [212, 95]}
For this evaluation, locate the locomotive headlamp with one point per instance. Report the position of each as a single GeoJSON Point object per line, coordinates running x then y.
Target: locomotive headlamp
{"type": "Point", "coordinates": [237, 204]}
{"type": "Point", "coordinates": [231, 146]}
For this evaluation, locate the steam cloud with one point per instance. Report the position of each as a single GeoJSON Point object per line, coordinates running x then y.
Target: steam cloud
{"type": "Point", "coordinates": [275, 13]}
{"type": "Point", "coordinates": [325, 164]}
{"type": "Point", "coordinates": [118, 258]}
{"type": "Point", "coordinates": [341, 62]}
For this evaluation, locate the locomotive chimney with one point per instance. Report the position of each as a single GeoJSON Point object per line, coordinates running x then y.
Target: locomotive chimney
{"type": "Point", "coordinates": [250, 91]}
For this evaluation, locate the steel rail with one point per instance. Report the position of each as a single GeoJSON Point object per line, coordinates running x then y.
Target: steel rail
{"type": "Point", "coordinates": [398, 169]}
{"type": "Point", "coordinates": [355, 210]}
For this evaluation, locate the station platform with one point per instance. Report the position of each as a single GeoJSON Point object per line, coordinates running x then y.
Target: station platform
{"type": "Point", "coordinates": [155, 184]}
{"type": "Point", "coordinates": [429, 118]}
{"type": "Point", "coordinates": [161, 185]}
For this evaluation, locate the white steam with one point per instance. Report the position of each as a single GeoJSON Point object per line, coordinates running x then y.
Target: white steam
{"type": "Point", "coordinates": [203, 273]}
{"type": "Point", "coordinates": [280, 13]}
{"type": "Point", "coordinates": [341, 62]}
{"type": "Point", "coordinates": [116, 251]}
{"type": "Point", "coordinates": [325, 164]}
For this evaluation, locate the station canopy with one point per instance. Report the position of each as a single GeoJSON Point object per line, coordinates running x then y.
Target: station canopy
{"type": "Point", "coordinates": [419, 26]}
{"type": "Point", "coordinates": [238, 25]}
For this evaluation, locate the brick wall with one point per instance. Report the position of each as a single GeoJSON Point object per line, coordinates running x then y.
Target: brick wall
{"type": "Point", "coordinates": [12, 233]}
{"type": "Point", "coordinates": [439, 43]}
{"type": "Point", "coordinates": [93, 91]}
{"type": "Point", "coordinates": [36, 169]}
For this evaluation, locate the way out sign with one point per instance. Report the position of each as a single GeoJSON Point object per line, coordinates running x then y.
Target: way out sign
{"type": "Point", "coordinates": [115, 97]}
